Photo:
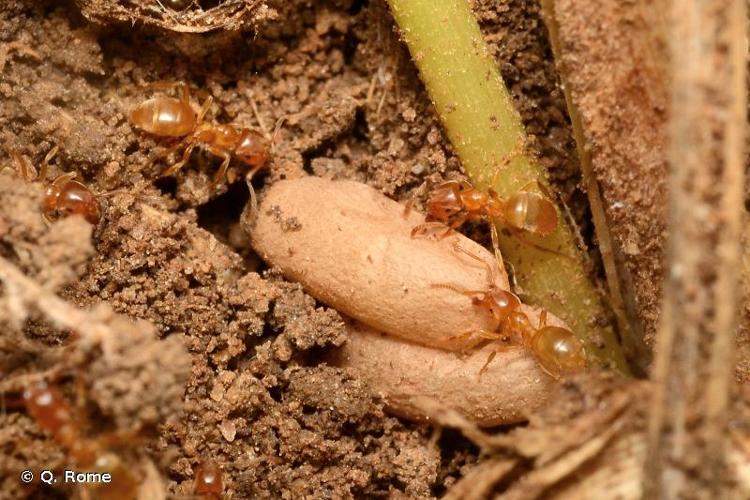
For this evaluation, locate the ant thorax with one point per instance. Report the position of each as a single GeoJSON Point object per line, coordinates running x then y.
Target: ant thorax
{"type": "Point", "coordinates": [474, 201]}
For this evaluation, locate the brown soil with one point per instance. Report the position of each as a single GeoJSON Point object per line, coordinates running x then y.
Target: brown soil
{"type": "Point", "coordinates": [258, 400]}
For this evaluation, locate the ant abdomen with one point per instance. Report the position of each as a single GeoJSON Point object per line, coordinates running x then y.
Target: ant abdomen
{"type": "Point", "coordinates": [558, 350]}
{"type": "Point", "coordinates": [532, 212]}
{"type": "Point", "coordinates": [164, 116]}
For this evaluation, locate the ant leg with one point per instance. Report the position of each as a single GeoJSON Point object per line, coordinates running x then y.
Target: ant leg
{"type": "Point", "coordinates": [23, 166]}
{"type": "Point", "coordinates": [455, 225]}
{"type": "Point", "coordinates": [253, 171]}
{"type": "Point", "coordinates": [491, 357]}
{"type": "Point", "coordinates": [107, 194]}
{"type": "Point", "coordinates": [490, 273]}
{"type": "Point", "coordinates": [248, 179]}
{"type": "Point", "coordinates": [45, 163]}
{"type": "Point", "coordinates": [260, 121]}
{"type": "Point", "coordinates": [542, 187]}
{"type": "Point", "coordinates": [204, 109]}
{"type": "Point", "coordinates": [487, 363]}
{"type": "Point", "coordinates": [424, 228]}
{"type": "Point", "coordinates": [60, 180]}
{"type": "Point", "coordinates": [177, 166]}
{"type": "Point", "coordinates": [539, 185]}
{"type": "Point", "coordinates": [473, 338]}
{"type": "Point", "coordinates": [182, 88]}
{"type": "Point", "coordinates": [514, 286]}
{"type": "Point", "coordinates": [253, 199]}
{"type": "Point", "coordinates": [411, 201]}
{"type": "Point", "coordinates": [163, 153]}
{"type": "Point", "coordinates": [222, 172]}
{"type": "Point", "coordinates": [496, 246]}
{"type": "Point", "coordinates": [494, 178]}
{"type": "Point", "coordinates": [519, 235]}
{"type": "Point", "coordinates": [517, 150]}
{"type": "Point", "coordinates": [542, 319]}
{"type": "Point", "coordinates": [407, 208]}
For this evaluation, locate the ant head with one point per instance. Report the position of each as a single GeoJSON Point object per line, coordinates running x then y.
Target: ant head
{"type": "Point", "coordinates": [47, 406]}
{"type": "Point", "coordinates": [254, 149]}
{"type": "Point", "coordinates": [68, 197]}
{"type": "Point", "coordinates": [504, 301]}
{"type": "Point", "coordinates": [444, 202]}
{"type": "Point", "coordinates": [208, 479]}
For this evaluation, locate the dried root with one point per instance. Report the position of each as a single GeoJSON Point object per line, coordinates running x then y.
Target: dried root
{"type": "Point", "coordinates": [590, 443]}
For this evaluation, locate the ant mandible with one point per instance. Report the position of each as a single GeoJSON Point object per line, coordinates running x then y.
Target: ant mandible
{"type": "Point", "coordinates": [557, 350]}
{"type": "Point", "coordinates": [170, 117]}
{"type": "Point", "coordinates": [64, 196]}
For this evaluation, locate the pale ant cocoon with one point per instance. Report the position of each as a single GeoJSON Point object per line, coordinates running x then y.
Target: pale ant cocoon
{"type": "Point", "coordinates": [353, 248]}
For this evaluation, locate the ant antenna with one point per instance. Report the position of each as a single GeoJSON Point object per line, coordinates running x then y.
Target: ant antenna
{"type": "Point", "coordinates": [276, 130]}
{"type": "Point", "coordinates": [249, 215]}
{"type": "Point", "coordinates": [491, 277]}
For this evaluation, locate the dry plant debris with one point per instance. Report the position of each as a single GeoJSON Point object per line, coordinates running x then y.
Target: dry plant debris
{"type": "Point", "coordinates": [182, 16]}
{"type": "Point", "coordinates": [589, 443]}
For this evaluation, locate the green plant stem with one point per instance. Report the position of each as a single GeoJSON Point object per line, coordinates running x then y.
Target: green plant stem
{"type": "Point", "coordinates": [486, 131]}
